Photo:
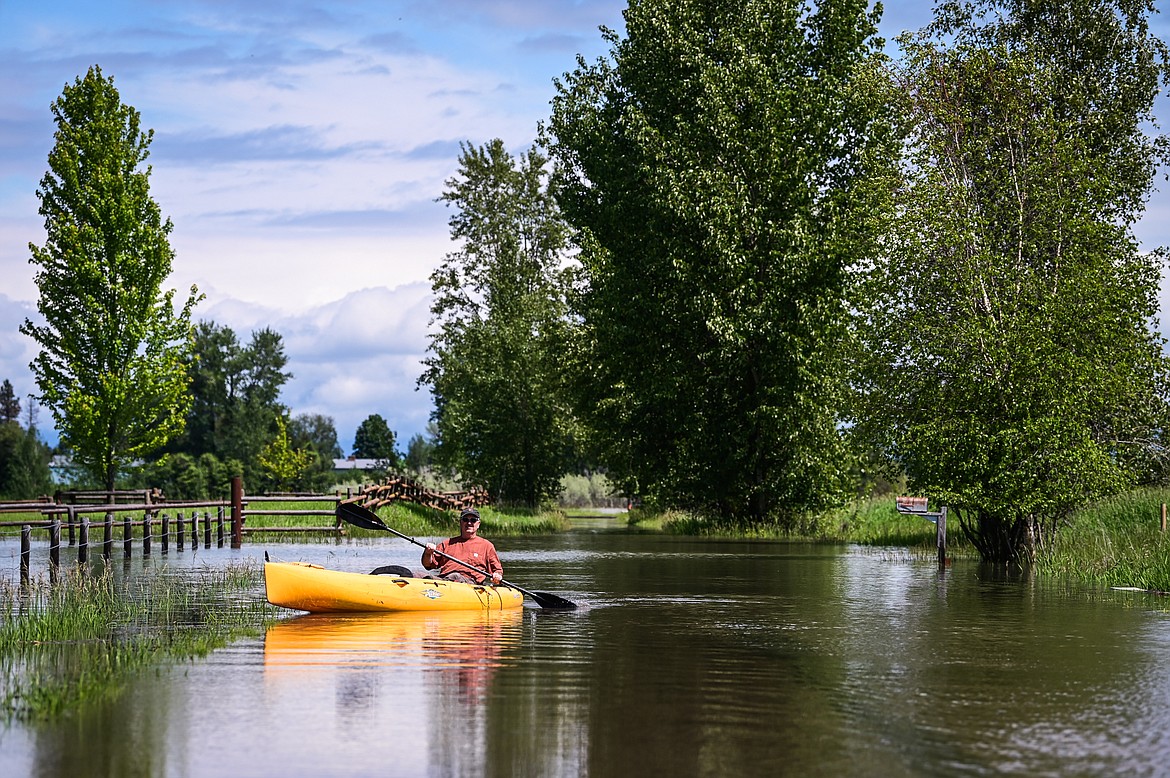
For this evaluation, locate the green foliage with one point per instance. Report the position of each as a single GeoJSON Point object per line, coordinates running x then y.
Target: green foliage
{"type": "Point", "coordinates": [593, 490]}
{"type": "Point", "coordinates": [1009, 366]}
{"type": "Point", "coordinates": [185, 477]}
{"type": "Point", "coordinates": [495, 367]}
{"type": "Point", "coordinates": [419, 453]}
{"type": "Point", "coordinates": [718, 168]}
{"type": "Point", "coordinates": [235, 398]}
{"type": "Point", "coordinates": [375, 440]}
{"type": "Point", "coordinates": [24, 463]}
{"type": "Point", "coordinates": [112, 366]}
{"type": "Point", "coordinates": [283, 467]}
{"type": "Point", "coordinates": [316, 433]}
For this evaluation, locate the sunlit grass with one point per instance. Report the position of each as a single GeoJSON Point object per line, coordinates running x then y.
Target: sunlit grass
{"type": "Point", "coordinates": [1117, 541]}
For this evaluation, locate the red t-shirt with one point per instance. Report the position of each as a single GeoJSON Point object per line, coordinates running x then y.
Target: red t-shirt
{"type": "Point", "coordinates": [476, 551]}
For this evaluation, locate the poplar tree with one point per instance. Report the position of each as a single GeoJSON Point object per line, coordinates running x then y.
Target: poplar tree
{"type": "Point", "coordinates": [112, 365]}
{"type": "Point", "coordinates": [1011, 364]}
{"type": "Point", "coordinates": [717, 168]}
{"type": "Point", "coordinates": [494, 365]}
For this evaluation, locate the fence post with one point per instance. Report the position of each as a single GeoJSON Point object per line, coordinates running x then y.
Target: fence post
{"type": "Point", "coordinates": [55, 544]}
{"type": "Point", "coordinates": [71, 519]}
{"type": "Point", "coordinates": [166, 533]}
{"type": "Point", "coordinates": [25, 550]}
{"type": "Point", "coordinates": [206, 529]}
{"type": "Point", "coordinates": [942, 538]}
{"type": "Point", "coordinates": [237, 511]}
{"type": "Point", "coordinates": [83, 544]}
{"type": "Point", "coordinates": [108, 536]}
{"type": "Point", "coordinates": [179, 531]}
{"type": "Point", "coordinates": [127, 534]}
{"type": "Point", "coordinates": [219, 527]}
{"type": "Point", "coordinates": [194, 530]}
{"type": "Point", "coordinates": [146, 530]}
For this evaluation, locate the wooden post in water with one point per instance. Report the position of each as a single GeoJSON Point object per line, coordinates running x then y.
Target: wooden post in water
{"type": "Point", "coordinates": [127, 535]}
{"type": "Point", "coordinates": [194, 530]}
{"type": "Point", "coordinates": [146, 530]}
{"type": "Point", "coordinates": [54, 544]}
{"type": "Point", "coordinates": [219, 527]}
{"type": "Point", "coordinates": [166, 533]}
{"type": "Point", "coordinates": [83, 545]}
{"type": "Point", "coordinates": [25, 550]}
{"type": "Point", "coordinates": [72, 518]}
{"type": "Point", "coordinates": [108, 537]}
{"type": "Point", "coordinates": [237, 511]}
{"type": "Point", "coordinates": [179, 531]}
{"type": "Point", "coordinates": [942, 538]}
{"type": "Point", "coordinates": [206, 529]}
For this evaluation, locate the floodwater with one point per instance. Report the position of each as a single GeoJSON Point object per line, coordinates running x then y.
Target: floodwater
{"type": "Point", "coordinates": [687, 657]}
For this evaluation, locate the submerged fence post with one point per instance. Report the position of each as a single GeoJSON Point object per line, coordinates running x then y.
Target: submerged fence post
{"type": "Point", "coordinates": [219, 527]}
{"type": "Point", "coordinates": [206, 529]}
{"type": "Point", "coordinates": [146, 530]}
{"type": "Point", "coordinates": [83, 545]}
{"type": "Point", "coordinates": [942, 538]}
{"type": "Point", "coordinates": [54, 544]}
{"type": "Point", "coordinates": [108, 535]}
{"type": "Point", "coordinates": [127, 534]}
{"type": "Point", "coordinates": [237, 511]}
{"type": "Point", "coordinates": [25, 550]}
{"type": "Point", "coordinates": [166, 533]}
{"type": "Point", "coordinates": [72, 518]}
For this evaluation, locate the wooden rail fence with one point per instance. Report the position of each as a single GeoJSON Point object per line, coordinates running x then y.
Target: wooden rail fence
{"type": "Point", "coordinates": [163, 521]}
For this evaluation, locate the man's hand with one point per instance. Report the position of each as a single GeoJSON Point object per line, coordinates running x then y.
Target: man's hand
{"type": "Point", "coordinates": [497, 577]}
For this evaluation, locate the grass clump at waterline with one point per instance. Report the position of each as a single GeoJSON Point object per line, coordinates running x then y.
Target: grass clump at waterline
{"type": "Point", "coordinates": [1117, 541]}
{"type": "Point", "coordinates": [75, 640]}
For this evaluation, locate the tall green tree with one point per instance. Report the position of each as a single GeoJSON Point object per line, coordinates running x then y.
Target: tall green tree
{"type": "Point", "coordinates": [24, 463]}
{"type": "Point", "coordinates": [235, 392]}
{"type": "Point", "coordinates": [717, 165]}
{"type": "Point", "coordinates": [9, 403]}
{"type": "Point", "coordinates": [1011, 367]}
{"type": "Point", "coordinates": [494, 363]}
{"type": "Point", "coordinates": [375, 440]}
{"type": "Point", "coordinates": [317, 434]}
{"type": "Point", "coordinates": [283, 466]}
{"type": "Point", "coordinates": [112, 366]}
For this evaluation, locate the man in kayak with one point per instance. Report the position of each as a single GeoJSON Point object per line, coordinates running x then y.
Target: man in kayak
{"type": "Point", "coordinates": [469, 547]}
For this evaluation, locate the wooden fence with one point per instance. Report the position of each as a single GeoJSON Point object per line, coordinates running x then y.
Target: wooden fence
{"type": "Point", "coordinates": [164, 521]}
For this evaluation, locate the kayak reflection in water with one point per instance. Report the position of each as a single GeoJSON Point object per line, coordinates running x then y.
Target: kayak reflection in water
{"type": "Point", "coordinates": [468, 547]}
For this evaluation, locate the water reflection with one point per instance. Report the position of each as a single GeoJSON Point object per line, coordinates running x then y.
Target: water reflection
{"type": "Point", "coordinates": [687, 657]}
{"type": "Point", "coordinates": [458, 652]}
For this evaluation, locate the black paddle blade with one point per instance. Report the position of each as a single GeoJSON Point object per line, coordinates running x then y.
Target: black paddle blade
{"type": "Point", "coordinates": [552, 601]}
{"type": "Point", "coordinates": [360, 516]}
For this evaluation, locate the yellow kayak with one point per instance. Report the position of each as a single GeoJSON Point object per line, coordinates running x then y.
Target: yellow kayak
{"type": "Point", "coordinates": [308, 587]}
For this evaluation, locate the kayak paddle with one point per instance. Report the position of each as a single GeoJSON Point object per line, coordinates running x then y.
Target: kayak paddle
{"type": "Point", "coordinates": [361, 516]}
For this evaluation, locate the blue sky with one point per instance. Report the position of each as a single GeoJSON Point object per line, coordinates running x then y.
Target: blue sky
{"type": "Point", "coordinates": [299, 148]}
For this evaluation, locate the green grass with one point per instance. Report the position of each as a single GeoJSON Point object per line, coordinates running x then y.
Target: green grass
{"type": "Point", "coordinates": [1117, 541]}
{"type": "Point", "coordinates": [65, 643]}
{"type": "Point", "coordinates": [873, 522]}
